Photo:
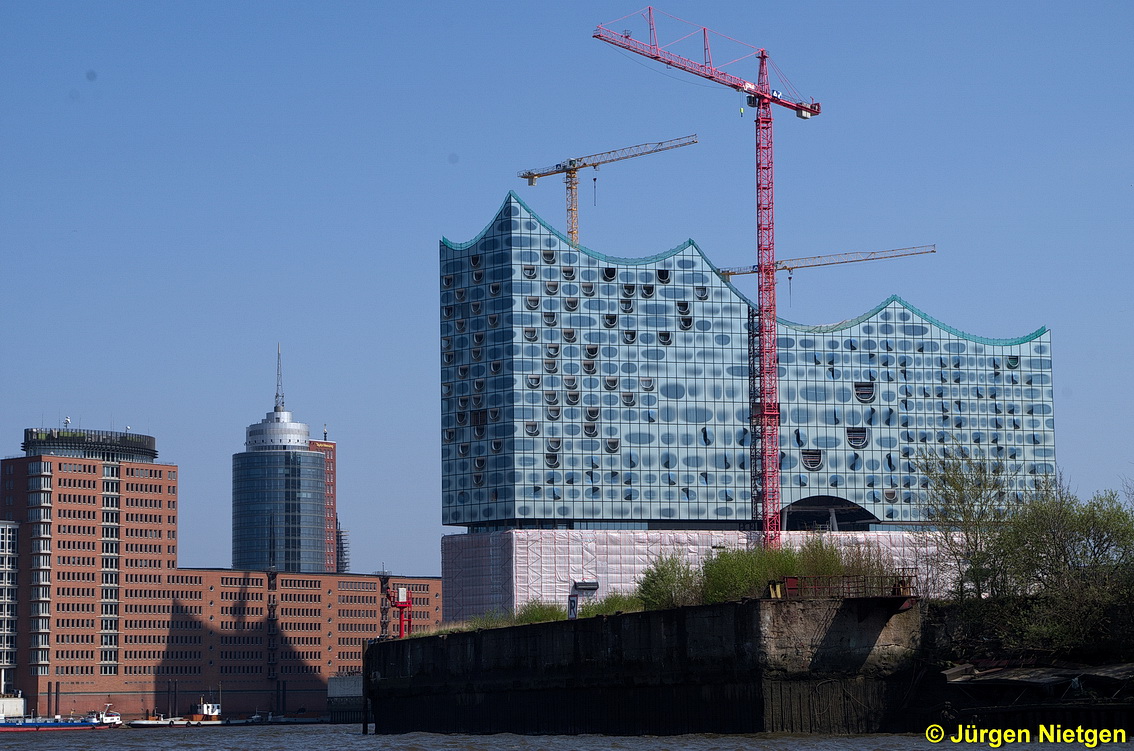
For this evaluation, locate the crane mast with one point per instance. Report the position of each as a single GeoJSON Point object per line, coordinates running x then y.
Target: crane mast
{"type": "Point", "coordinates": [570, 170]}
{"type": "Point", "coordinates": [762, 360]}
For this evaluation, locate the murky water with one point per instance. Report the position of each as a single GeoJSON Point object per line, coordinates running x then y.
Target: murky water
{"type": "Point", "coordinates": [350, 738]}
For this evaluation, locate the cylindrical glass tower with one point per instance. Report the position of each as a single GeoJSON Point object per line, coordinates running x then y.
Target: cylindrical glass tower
{"type": "Point", "coordinates": [277, 498]}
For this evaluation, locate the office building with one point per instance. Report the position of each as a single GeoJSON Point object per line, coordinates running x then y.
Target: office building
{"type": "Point", "coordinates": [105, 615]}
{"type": "Point", "coordinates": [279, 505]}
{"type": "Point", "coordinates": [585, 392]}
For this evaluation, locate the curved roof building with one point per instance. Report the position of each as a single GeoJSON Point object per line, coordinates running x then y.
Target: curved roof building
{"type": "Point", "coordinates": [585, 391]}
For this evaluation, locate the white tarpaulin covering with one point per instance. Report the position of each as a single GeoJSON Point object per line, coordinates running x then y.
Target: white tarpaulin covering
{"type": "Point", "coordinates": [500, 571]}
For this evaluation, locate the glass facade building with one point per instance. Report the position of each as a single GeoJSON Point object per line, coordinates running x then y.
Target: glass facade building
{"type": "Point", "coordinates": [278, 501]}
{"type": "Point", "coordinates": [586, 391]}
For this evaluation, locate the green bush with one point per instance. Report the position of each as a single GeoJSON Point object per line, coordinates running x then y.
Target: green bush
{"type": "Point", "coordinates": [670, 582]}
{"type": "Point", "coordinates": [615, 602]}
{"type": "Point", "coordinates": [736, 573]}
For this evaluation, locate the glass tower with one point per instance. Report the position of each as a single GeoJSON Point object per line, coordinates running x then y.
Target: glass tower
{"type": "Point", "coordinates": [586, 391]}
{"type": "Point", "coordinates": [278, 498]}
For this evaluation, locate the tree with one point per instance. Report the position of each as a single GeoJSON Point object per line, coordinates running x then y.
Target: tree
{"type": "Point", "coordinates": [967, 498]}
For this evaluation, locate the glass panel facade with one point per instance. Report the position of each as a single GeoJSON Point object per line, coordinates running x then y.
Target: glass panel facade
{"type": "Point", "coordinates": [586, 391]}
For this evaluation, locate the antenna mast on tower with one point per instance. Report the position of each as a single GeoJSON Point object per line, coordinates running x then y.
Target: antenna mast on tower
{"type": "Point", "coordinates": [279, 380]}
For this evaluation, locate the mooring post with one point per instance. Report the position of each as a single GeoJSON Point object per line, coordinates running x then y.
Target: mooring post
{"type": "Point", "coordinates": [365, 709]}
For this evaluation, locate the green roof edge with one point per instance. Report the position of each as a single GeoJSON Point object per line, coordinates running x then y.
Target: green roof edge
{"type": "Point", "coordinates": [816, 329]}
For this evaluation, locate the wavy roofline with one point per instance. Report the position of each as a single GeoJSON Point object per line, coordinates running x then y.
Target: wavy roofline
{"type": "Point", "coordinates": [690, 243]}
{"type": "Point", "coordinates": [831, 327]}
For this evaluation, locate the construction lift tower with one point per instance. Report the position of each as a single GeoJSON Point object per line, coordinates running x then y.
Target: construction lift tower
{"type": "Point", "coordinates": [570, 169]}
{"type": "Point", "coordinates": [762, 361]}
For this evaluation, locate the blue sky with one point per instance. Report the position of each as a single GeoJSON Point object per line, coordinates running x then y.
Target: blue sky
{"type": "Point", "coordinates": [185, 184]}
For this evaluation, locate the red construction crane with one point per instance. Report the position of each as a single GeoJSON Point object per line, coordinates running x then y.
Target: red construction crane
{"type": "Point", "coordinates": [762, 362]}
{"type": "Point", "coordinates": [570, 169]}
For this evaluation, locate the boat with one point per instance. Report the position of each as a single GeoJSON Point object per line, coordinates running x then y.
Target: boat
{"type": "Point", "coordinates": [158, 721]}
{"type": "Point", "coordinates": [203, 714]}
{"type": "Point", "coordinates": [39, 724]}
{"type": "Point", "coordinates": [105, 717]}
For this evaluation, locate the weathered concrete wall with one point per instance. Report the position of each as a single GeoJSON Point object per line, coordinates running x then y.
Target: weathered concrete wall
{"type": "Point", "coordinates": [751, 666]}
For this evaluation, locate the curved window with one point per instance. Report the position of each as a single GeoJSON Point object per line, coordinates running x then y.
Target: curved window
{"type": "Point", "coordinates": [571, 303]}
{"type": "Point", "coordinates": [496, 366]}
{"type": "Point", "coordinates": [685, 323]}
{"type": "Point", "coordinates": [531, 428]}
{"type": "Point", "coordinates": [549, 319]}
{"type": "Point", "coordinates": [531, 335]}
{"type": "Point", "coordinates": [628, 398]}
{"type": "Point", "coordinates": [589, 367]}
{"type": "Point", "coordinates": [478, 276]}
{"type": "Point", "coordinates": [627, 290]}
{"type": "Point", "coordinates": [551, 397]}
{"type": "Point", "coordinates": [478, 384]}
{"type": "Point", "coordinates": [588, 288]}
{"type": "Point", "coordinates": [550, 366]}
{"type": "Point", "coordinates": [610, 321]}
{"type": "Point", "coordinates": [551, 287]}
{"type": "Point", "coordinates": [858, 437]}
{"type": "Point", "coordinates": [533, 382]}
{"type": "Point", "coordinates": [568, 272]}
{"type": "Point", "coordinates": [529, 272]}
{"type": "Point", "coordinates": [463, 449]}
{"type": "Point", "coordinates": [664, 276]}
{"type": "Point", "coordinates": [1012, 361]}
{"type": "Point", "coordinates": [554, 444]}
{"type": "Point", "coordinates": [531, 303]}
{"type": "Point", "coordinates": [478, 431]}
{"type": "Point", "coordinates": [647, 384]}
{"type": "Point", "coordinates": [447, 281]}
{"type": "Point", "coordinates": [549, 256]}
{"type": "Point", "coordinates": [609, 274]}
{"type": "Point", "coordinates": [449, 358]}
{"type": "Point", "coordinates": [610, 383]}
{"type": "Point", "coordinates": [551, 350]}
{"type": "Point", "coordinates": [665, 337]}
{"type": "Point", "coordinates": [494, 414]}
{"type": "Point", "coordinates": [553, 413]}
{"type": "Point", "coordinates": [569, 335]}
{"type": "Point", "coordinates": [478, 478]}
{"type": "Point", "coordinates": [497, 446]}
{"type": "Point", "coordinates": [812, 459]}
{"type": "Point", "coordinates": [448, 435]}
{"type": "Point", "coordinates": [493, 320]}
{"type": "Point", "coordinates": [570, 382]}
{"type": "Point", "coordinates": [701, 293]}
{"type": "Point", "coordinates": [683, 307]}
{"type": "Point", "coordinates": [590, 429]}
{"type": "Point", "coordinates": [864, 391]}
{"type": "Point", "coordinates": [629, 336]}
{"type": "Point", "coordinates": [626, 306]}
{"type": "Point", "coordinates": [591, 350]}
{"type": "Point", "coordinates": [611, 445]}
{"type": "Point", "coordinates": [647, 291]}
{"type": "Point", "coordinates": [572, 397]}
{"type": "Point", "coordinates": [592, 413]}
{"type": "Point", "coordinates": [494, 289]}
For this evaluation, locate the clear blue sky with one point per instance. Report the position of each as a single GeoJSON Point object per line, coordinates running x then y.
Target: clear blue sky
{"type": "Point", "coordinates": [185, 184]}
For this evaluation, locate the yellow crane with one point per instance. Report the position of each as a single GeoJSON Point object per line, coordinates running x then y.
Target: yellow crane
{"type": "Point", "coordinates": [570, 169]}
{"type": "Point", "coordinates": [791, 264]}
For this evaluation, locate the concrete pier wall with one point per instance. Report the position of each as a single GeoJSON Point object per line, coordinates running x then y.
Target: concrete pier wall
{"type": "Point", "coordinates": [826, 666]}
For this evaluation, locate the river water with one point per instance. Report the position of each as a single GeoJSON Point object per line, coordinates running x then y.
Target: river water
{"type": "Point", "coordinates": [350, 738]}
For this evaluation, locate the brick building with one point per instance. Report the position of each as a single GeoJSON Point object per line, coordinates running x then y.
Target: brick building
{"type": "Point", "coordinates": [106, 616]}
